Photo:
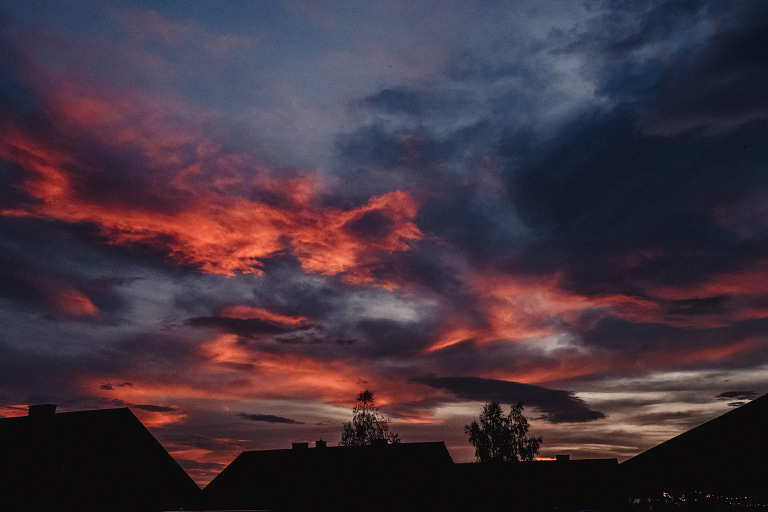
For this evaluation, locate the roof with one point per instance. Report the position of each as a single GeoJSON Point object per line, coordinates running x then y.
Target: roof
{"type": "Point", "coordinates": [728, 454]}
{"type": "Point", "coordinates": [407, 476]}
{"type": "Point", "coordinates": [331, 478]}
{"type": "Point", "coordinates": [91, 460]}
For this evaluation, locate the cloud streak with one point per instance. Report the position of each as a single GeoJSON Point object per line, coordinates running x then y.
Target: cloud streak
{"type": "Point", "coordinates": [557, 405]}
{"type": "Point", "coordinates": [269, 418]}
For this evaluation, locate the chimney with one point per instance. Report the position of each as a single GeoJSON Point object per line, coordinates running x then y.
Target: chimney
{"type": "Point", "coordinates": [300, 446]}
{"type": "Point", "coordinates": [562, 458]}
{"type": "Point", "coordinates": [42, 410]}
{"type": "Point", "coordinates": [320, 443]}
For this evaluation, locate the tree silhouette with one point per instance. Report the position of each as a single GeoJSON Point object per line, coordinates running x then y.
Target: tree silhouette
{"type": "Point", "coordinates": [367, 423]}
{"type": "Point", "coordinates": [500, 438]}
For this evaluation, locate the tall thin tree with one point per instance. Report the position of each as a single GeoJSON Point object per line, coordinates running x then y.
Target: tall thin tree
{"type": "Point", "coordinates": [367, 424]}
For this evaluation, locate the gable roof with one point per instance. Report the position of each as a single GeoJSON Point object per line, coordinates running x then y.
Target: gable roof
{"type": "Point", "coordinates": [88, 460]}
{"type": "Point", "coordinates": [728, 454]}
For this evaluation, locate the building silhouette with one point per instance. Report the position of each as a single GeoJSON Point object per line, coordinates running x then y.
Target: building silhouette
{"type": "Point", "coordinates": [106, 460]}
{"type": "Point", "coordinates": [725, 456]}
{"type": "Point", "coordinates": [562, 484]}
{"type": "Point", "coordinates": [103, 460]}
{"type": "Point", "coordinates": [405, 476]}
{"type": "Point", "coordinates": [402, 476]}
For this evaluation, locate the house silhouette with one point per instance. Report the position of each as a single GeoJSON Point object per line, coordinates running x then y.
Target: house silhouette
{"type": "Point", "coordinates": [106, 460]}
{"type": "Point", "coordinates": [405, 476]}
{"type": "Point", "coordinates": [402, 476]}
{"type": "Point", "coordinates": [103, 460]}
{"type": "Point", "coordinates": [727, 456]}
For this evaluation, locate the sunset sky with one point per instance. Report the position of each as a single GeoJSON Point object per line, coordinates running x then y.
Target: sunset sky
{"type": "Point", "coordinates": [233, 216]}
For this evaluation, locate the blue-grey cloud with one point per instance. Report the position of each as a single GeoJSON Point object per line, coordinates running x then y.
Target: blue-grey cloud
{"type": "Point", "coordinates": [738, 395]}
{"type": "Point", "coordinates": [154, 408]}
{"type": "Point", "coordinates": [249, 327]}
{"type": "Point", "coordinates": [269, 418]}
{"type": "Point", "coordinates": [558, 406]}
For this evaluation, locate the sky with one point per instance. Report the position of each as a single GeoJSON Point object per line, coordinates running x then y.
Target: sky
{"type": "Point", "coordinates": [234, 216]}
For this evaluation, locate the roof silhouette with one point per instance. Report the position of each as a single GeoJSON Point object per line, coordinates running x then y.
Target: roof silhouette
{"type": "Point", "coordinates": [86, 461]}
{"type": "Point", "coordinates": [406, 476]}
{"type": "Point", "coordinates": [728, 454]}
{"type": "Point", "coordinates": [385, 477]}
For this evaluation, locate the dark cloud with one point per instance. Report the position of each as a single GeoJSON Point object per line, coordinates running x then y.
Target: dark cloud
{"type": "Point", "coordinates": [268, 418]}
{"type": "Point", "coordinates": [702, 306]}
{"type": "Point", "coordinates": [739, 395]}
{"type": "Point", "coordinates": [719, 86]}
{"type": "Point", "coordinates": [626, 27]}
{"type": "Point", "coordinates": [479, 226]}
{"type": "Point", "coordinates": [607, 192]}
{"type": "Point", "coordinates": [686, 418]}
{"type": "Point", "coordinates": [250, 327]}
{"type": "Point", "coordinates": [191, 465]}
{"type": "Point", "coordinates": [196, 440]}
{"type": "Point", "coordinates": [558, 406]}
{"type": "Point", "coordinates": [110, 387]}
{"type": "Point", "coordinates": [17, 101]}
{"type": "Point", "coordinates": [372, 225]}
{"type": "Point", "coordinates": [391, 336]}
{"type": "Point", "coordinates": [370, 147]}
{"type": "Point", "coordinates": [399, 101]}
{"type": "Point", "coordinates": [154, 408]}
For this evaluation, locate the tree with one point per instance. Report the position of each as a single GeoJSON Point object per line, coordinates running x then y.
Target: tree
{"type": "Point", "coordinates": [500, 438]}
{"type": "Point", "coordinates": [367, 423]}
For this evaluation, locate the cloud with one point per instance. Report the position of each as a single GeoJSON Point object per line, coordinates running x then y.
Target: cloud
{"type": "Point", "coordinates": [712, 89]}
{"type": "Point", "coordinates": [739, 395]}
{"type": "Point", "coordinates": [212, 227]}
{"type": "Point", "coordinates": [268, 418]}
{"type": "Point", "coordinates": [557, 405]}
{"type": "Point", "coordinates": [399, 101]}
{"type": "Point", "coordinates": [252, 327]}
{"type": "Point", "coordinates": [37, 287]}
{"type": "Point", "coordinates": [687, 419]}
{"type": "Point", "coordinates": [154, 408]}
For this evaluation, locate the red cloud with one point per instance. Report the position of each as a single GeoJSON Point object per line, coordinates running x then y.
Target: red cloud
{"type": "Point", "coordinates": [514, 309]}
{"type": "Point", "coordinates": [71, 301]}
{"type": "Point", "coordinates": [191, 199]}
{"type": "Point", "coordinates": [248, 312]}
{"type": "Point", "coordinates": [596, 363]}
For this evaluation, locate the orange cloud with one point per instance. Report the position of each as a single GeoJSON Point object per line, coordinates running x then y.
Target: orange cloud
{"type": "Point", "coordinates": [530, 311]}
{"type": "Point", "coordinates": [515, 309]}
{"type": "Point", "coordinates": [597, 363]}
{"type": "Point", "coordinates": [248, 312]}
{"type": "Point", "coordinates": [752, 281]}
{"type": "Point", "coordinates": [209, 463]}
{"type": "Point", "coordinates": [228, 368]}
{"type": "Point", "coordinates": [154, 419]}
{"type": "Point", "coordinates": [72, 301]}
{"type": "Point", "coordinates": [205, 222]}
{"type": "Point", "coordinates": [13, 411]}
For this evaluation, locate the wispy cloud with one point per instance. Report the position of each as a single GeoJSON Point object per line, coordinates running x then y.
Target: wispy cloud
{"type": "Point", "coordinates": [268, 418]}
